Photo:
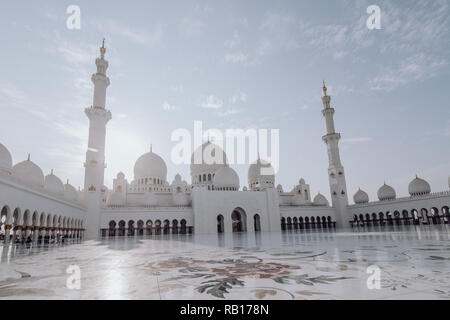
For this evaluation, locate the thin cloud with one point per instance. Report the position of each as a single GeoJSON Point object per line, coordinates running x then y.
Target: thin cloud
{"type": "Point", "coordinates": [143, 36]}
{"type": "Point", "coordinates": [230, 112]}
{"type": "Point", "coordinates": [233, 42]}
{"type": "Point", "coordinates": [416, 68]}
{"type": "Point", "coordinates": [168, 107]}
{"type": "Point", "coordinates": [239, 97]}
{"type": "Point", "coordinates": [192, 28]}
{"type": "Point", "coordinates": [212, 102]}
{"type": "Point", "coordinates": [240, 57]}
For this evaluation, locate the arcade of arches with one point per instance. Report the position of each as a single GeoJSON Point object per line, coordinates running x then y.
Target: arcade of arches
{"type": "Point", "coordinates": [132, 228]}
{"type": "Point", "coordinates": [20, 226]}
{"type": "Point", "coordinates": [403, 217]}
{"type": "Point", "coordinates": [307, 223]}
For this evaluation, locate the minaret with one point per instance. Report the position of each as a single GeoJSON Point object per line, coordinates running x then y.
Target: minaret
{"type": "Point", "coordinates": [336, 173]}
{"type": "Point", "coordinates": [95, 155]}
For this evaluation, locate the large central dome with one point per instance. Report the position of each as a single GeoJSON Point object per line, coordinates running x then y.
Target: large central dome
{"type": "Point", "coordinates": [226, 179]}
{"type": "Point", "coordinates": [207, 159]}
{"type": "Point", "coordinates": [150, 165]}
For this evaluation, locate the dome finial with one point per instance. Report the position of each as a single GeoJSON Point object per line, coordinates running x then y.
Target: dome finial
{"type": "Point", "coordinates": [324, 88]}
{"type": "Point", "coordinates": [67, 181]}
{"type": "Point", "coordinates": [151, 147]}
{"type": "Point", "coordinates": [103, 49]}
{"type": "Point", "coordinates": [28, 159]}
{"type": "Point", "coordinates": [51, 172]}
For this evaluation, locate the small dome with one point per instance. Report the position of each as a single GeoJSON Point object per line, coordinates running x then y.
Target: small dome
{"type": "Point", "coordinates": [5, 160]}
{"type": "Point", "coordinates": [386, 193]}
{"type": "Point", "coordinates": [177, 179]}
{"type": "Point", "coordinates": [178, 185]}
{"type": "Point", "coordinates": [302, 182]}
{"type": "Point", "coordinates": [120, 176]}
{"type": "Point", "coordinates": [320, 200]}
{"type": "Point", "coordinates": [244, 189]}
{"type": "Point", "coordinates": [361, 197]}
{"type": "Point", "coordinates": [226, 177]}
{"type": "Point", "coordinates": [280, 188]}
{"type": "Point", "coordinates": [116, 199]}
{"type": "Point", "coordinates": [419, 187]}
{"type": "Point", "coordinates": [53, 184]}
{"type": "Point", "coordinates": [70, 193]}
{"type": "Point", "coordinates": [28, 172]}
{"type": "Point", "coordinates": [150, 165]}
{"type": "Point", "coordinates": [258, 169]}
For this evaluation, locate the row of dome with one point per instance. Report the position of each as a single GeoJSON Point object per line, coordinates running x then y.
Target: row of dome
{"type": "Point", "coordinates": [417, 187]}
{"type": "Point", "coordinates": [31, 174]}
{"type": "Point", "coordinates": [151, 165]}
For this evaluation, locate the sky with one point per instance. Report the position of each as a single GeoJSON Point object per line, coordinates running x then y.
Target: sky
{"type": "Point", "coordinates": [233, 64]}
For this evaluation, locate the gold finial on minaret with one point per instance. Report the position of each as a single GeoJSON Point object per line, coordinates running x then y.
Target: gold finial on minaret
{"type": "Point", "coordinates": [324, 88]}
{"type": "Point", "coordinates": [103, 49]}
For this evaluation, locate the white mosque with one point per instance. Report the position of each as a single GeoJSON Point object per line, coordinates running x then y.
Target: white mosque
{"type": "Point", "coordinates": [41, 208]}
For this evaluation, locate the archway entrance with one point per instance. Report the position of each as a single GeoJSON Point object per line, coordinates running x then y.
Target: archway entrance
{"type": "Point", "coordinates": [140, 225]}
{"type": "Point", "coordinates": [257, 222]}
{"type": "Point", "coordinates": [220, 226]}
{"type": "Point", "coordinates": [239, 220]}
{"type": "Point", "coordinates": [112, 228]}
{"type": "Point", "coordinates": [121, 228]}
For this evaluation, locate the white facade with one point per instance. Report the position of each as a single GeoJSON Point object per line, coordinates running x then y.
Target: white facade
{"type": "Point", "coordinates": [35, 207]}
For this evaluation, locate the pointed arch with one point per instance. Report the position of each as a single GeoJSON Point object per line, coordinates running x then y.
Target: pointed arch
{"type": "Point", "coordinates": [257, 222]}
{"type": "Point", "coordinates": [239, 220]}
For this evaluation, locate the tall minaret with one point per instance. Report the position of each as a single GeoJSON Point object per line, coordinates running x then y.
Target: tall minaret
{"type": "Point", "coordinates": [95, 155]}
{"type": "Point", "coordinates": [336, 173]}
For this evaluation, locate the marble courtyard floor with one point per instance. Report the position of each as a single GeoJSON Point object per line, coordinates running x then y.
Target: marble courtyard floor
{"type": "Point", "coordinates": [414, 263]}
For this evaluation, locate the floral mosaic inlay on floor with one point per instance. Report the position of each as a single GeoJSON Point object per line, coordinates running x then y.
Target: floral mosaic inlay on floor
{"type": "Point", "coordinates": [414, 264]}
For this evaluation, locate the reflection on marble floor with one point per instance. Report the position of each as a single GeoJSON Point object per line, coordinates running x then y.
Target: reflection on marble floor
{"type": "Point", "coordinates": [414, 264]}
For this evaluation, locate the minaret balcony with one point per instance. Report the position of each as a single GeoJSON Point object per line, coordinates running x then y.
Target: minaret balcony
{"type": "Point", "coordinates": [98, 113]}
{"type": "Point", "coordinates": [328, 110]}
{"type": "Point", "coordinates": [99, 78]}
{"type": "Point", "coordinates": [331, 137]}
